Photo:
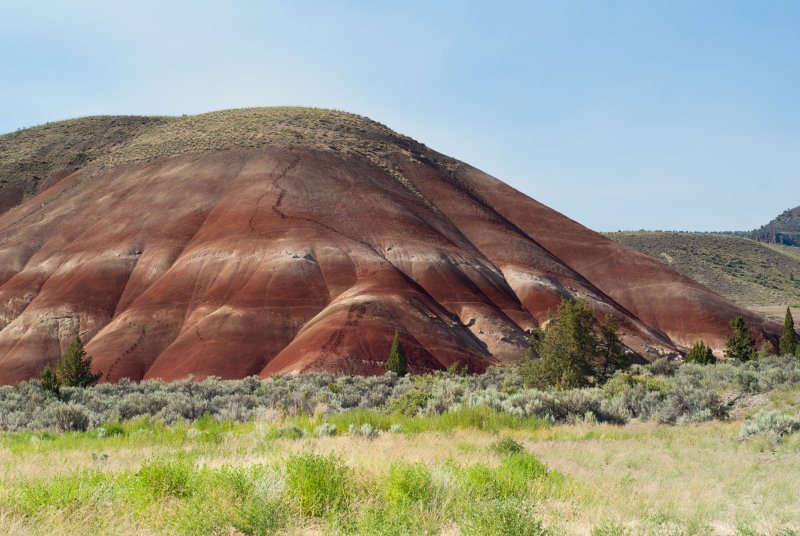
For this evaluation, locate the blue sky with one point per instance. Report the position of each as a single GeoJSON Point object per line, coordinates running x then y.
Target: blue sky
{"type": "Point", "coordinates": [621, 115]}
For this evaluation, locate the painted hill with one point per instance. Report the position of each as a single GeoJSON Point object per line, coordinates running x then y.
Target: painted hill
{"type": "Point", "coordinates": [262, 240]}
{"type": "Point", "coordinates": [785, 229]}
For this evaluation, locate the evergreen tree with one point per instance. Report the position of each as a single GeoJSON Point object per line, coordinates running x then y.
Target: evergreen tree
{"type": "Point", "coordinates": [611, 352]}
{"type": "Point", "coordinates": [787, 343]}
{"type": "Point", "coordinates": [50, 380]}
{"type": "Point", "coordinates": [701, 354]}
{"type": "Point", "coordinates": [740, 344]}
{"type": "Point", "coordinates": [74, 367]}
{"type": "Point", "coordinates": [572, 351]}
{"type": "Point", "coordinates": [397, 358]}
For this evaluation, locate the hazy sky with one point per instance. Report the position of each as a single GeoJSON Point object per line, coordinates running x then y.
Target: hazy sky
{"type": "Point", "coordinates": [621, 115]}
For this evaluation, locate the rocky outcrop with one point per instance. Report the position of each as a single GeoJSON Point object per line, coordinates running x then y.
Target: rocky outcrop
{"type": "Point", "coordinates": [785, 229]}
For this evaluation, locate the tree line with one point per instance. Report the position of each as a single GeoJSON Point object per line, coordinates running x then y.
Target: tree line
{"type": "Point", "coordinates": [570, 349]}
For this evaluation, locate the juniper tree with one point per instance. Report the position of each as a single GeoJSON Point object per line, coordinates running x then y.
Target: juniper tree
{"type": "Point", "coordinates": [611, 354]}
{"type": "Point", "coordinates": [74, 367]}
{"type": "Point", "coordinates": [701, 354]}
{"type": "Point", "coordinates": [397, 358]}
{"type": "Point", "coordinates": [787, 344]}
{"type": "Point", "coordinates": [740, 344]}
{"type": "Point", "coordinates": [572, 350]}
{"type": "Point", "coordinates": [50, 380]}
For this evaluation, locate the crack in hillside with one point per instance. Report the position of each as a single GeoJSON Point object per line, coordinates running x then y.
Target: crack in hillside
{"type": "Point", "coordinates": [281, 194]}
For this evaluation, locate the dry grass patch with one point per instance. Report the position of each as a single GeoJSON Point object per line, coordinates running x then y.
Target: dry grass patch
{"type": "Point", "coordinates": [698, 477]}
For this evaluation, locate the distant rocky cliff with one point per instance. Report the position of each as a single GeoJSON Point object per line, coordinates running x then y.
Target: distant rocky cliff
{"type": "Point", "coordinates": [785, 229]}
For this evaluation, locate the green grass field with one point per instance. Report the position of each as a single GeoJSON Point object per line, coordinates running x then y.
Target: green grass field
{"type": "Point", "coordinates": [473, 472]}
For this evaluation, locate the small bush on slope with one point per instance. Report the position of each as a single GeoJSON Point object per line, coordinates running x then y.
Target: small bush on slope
{"type": "Point", "coordinates": [773, 424]}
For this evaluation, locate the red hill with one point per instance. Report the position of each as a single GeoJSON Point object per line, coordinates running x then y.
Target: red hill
{"type": "Point", "coordinates": [256, 241]}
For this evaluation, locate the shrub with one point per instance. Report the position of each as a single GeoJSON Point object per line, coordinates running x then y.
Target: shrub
{"type": "Point", "coordinates": [492, 401]}
{"type": "Point", "coordinates": [368, 431]}
{"type": "Point", "coordinates": [290, 431]}
{"type": "Point", "coordinates": [262, 516]}
{"type": "Point", "coordinates": [67, 417]}
{"type": "Point", "coordinates": [610, 528]}
{"type": "Point", "coordinates": [688, 402]}
{"type": "Point", "coordinates": [613, 411]}
{"type": "Point", "coordinates": [638, 399]}
{"type": "Point", "coordinates": [173, 478]}
{"type": "Point", "coordinates": [624, 380]}
{"type": "Point", "coordinates": [318, 483]}
{"type": "Point", "coordinates": [765, 350]}
{"type": "Point", "coordinates": [409, 483]}
{"type": "Point", "coordinates": [410, 403]}
{"type": "Point", "coordinates": [663, 366]}
{"type": "Point", "coordinates": [747, 381]}
{"type": "Point", "coordinates": [773, 424]}
{"type": "Point", "coordinates": [501, 518]}
{"type": "Point", "coordinates": [325, 430]}
{"type": "Point", "coordinates": [506, 446]}
{"type": "Point", "coordinates": [454, 370]}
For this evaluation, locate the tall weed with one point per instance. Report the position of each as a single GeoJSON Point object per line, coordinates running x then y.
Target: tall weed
{"type": "Point", "coordinates": [318, 483]}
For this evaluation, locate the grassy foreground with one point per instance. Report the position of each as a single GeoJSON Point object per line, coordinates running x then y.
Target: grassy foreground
{"type": "Point", "coordinates": [471, 471]}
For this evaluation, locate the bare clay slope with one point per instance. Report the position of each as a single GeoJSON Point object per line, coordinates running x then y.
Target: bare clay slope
{"type": "Point", "coordinates": [255, 241]}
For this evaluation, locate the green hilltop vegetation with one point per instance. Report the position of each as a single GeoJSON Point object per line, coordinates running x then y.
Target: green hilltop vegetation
{"type": "Point", "coordinates": [746, 272]}
{"type": "Point", "coordinates": [29, 156]}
